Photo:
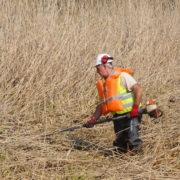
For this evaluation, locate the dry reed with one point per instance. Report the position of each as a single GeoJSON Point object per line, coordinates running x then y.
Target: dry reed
{"type": "Point", "coordinates": [47, 82]}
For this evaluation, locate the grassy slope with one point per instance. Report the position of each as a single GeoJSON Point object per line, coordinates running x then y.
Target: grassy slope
{"type": "Point", "coordinates": [47, 83]}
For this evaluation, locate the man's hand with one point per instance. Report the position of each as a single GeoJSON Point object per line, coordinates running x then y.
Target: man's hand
{"type": "Point", "coordinates": [90, 123]}
{"type": "Point", "coordinates": [134, 111]}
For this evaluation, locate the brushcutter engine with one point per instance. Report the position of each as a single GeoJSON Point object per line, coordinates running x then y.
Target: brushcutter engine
{"type": "Point", "coordinates": [152, 109]}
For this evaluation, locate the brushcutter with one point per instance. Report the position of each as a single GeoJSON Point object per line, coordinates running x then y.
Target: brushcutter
{"type": "Point", "coordinates": [151, 109]}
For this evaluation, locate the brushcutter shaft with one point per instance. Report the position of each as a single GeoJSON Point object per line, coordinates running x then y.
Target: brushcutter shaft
{"type": "Point", "coordinates": [109, 119]}
{"type": "Point", "coordinates": [154, 113]}
{"type": "Point", "coordinates": [67, 129]}
{"type": "Point", "coordinates": [72, 128]}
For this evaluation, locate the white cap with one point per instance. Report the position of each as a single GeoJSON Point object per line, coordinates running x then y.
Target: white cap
{"type": "Point", "coordinates": [103, 59]}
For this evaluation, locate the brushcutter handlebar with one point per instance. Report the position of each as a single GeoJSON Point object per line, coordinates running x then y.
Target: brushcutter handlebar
{"type": "Point", "coordinates": [155, 113]}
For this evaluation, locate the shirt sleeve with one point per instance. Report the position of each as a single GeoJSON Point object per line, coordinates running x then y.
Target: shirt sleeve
{"type": "Point", "coordinates": [127, 81]}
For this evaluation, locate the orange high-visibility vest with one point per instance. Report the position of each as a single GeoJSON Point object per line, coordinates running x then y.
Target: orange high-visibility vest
{"type": "Point", "coordinates": [109, 92]}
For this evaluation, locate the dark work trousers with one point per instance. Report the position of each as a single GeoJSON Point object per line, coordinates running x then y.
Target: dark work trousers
{"type": "Point", "coordinates": [127, 135]}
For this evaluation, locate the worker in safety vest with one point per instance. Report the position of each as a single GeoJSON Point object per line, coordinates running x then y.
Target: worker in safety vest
{"type": "Point", "coordinates": [119, 94]}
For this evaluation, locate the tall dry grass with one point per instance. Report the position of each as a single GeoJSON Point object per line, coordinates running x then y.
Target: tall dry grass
{"type": "Point", "coordinates": [47, 52]}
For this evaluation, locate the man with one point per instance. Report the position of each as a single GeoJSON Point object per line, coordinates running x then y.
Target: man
{"type": "Point", "coordinates": [119, 94]}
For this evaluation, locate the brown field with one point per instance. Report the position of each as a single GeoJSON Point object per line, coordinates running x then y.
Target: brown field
{"type": "Point", "coordinates": [47, 83]}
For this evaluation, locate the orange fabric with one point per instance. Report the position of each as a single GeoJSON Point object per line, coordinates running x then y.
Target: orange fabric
{"type": "Point", "coordinates": [109, 89]}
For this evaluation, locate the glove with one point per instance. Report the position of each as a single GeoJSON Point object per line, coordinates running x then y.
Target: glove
{"type": "Point", "coordinates": [90, 123]}
{"type": "Point", "coordinates": [134, 111]}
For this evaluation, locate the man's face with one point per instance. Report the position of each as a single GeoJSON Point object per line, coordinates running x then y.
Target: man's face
{"type": "Point", "coordinates": [102, 70]}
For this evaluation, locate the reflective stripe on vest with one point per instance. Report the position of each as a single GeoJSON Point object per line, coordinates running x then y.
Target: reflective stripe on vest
{"type": "Point", "coordinates": [122, 97]}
